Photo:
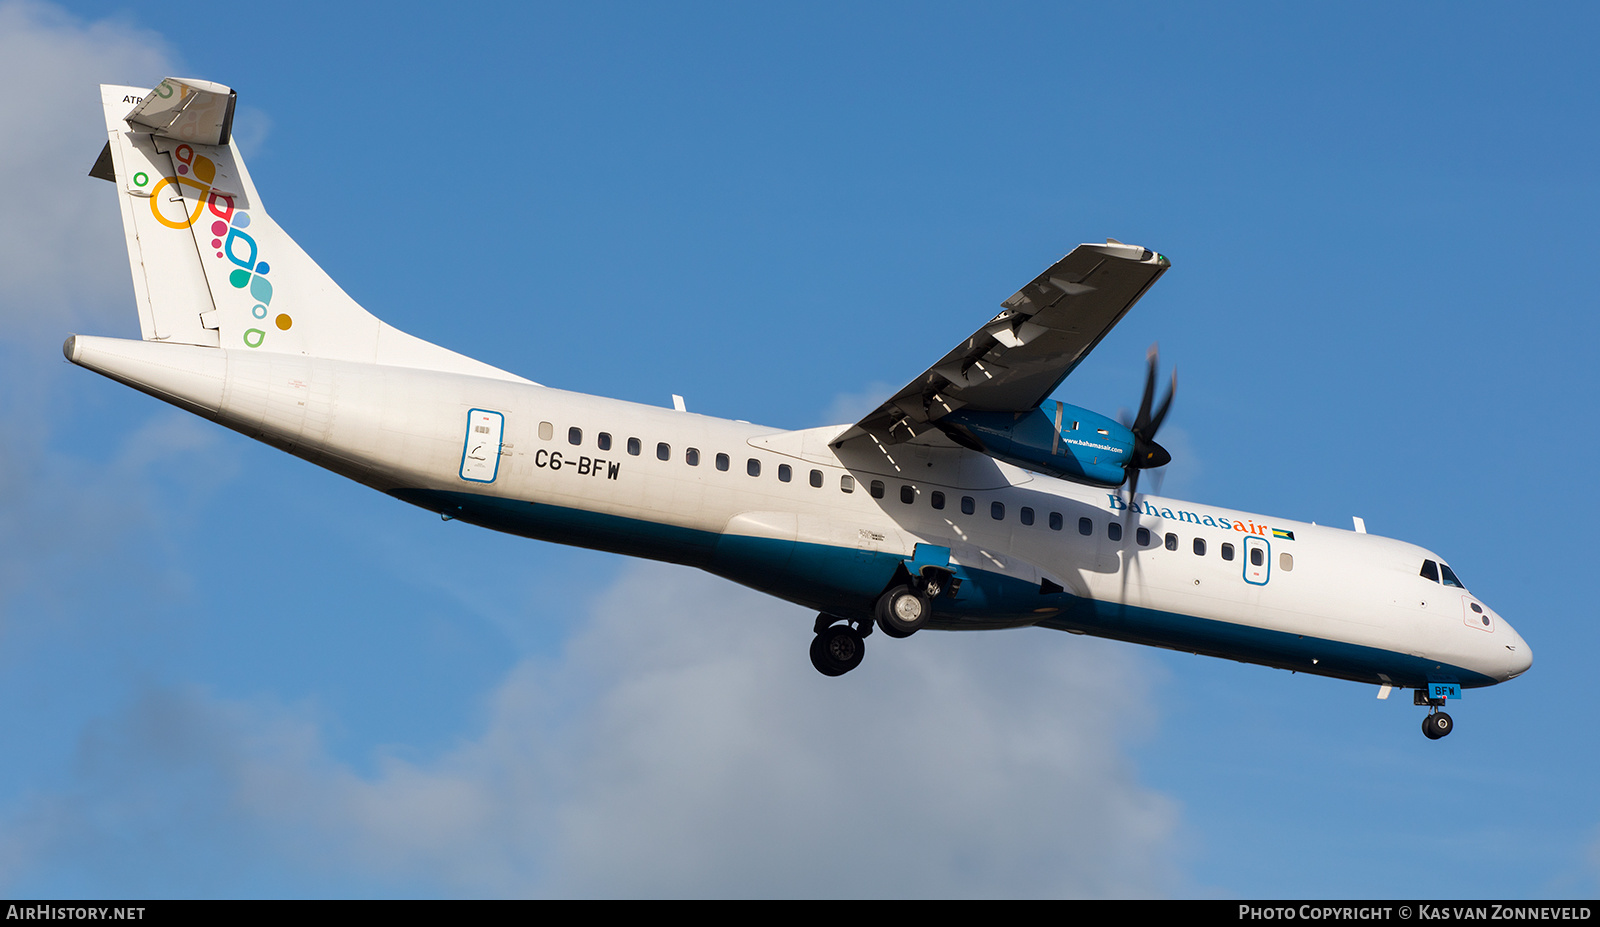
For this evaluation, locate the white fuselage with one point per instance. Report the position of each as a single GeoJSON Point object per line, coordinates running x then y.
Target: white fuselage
{"type": "Point", "coordinates": [1027, 549]}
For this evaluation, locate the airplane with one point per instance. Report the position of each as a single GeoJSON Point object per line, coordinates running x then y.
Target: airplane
{"type": "Point", "coordinates": [967, 500]}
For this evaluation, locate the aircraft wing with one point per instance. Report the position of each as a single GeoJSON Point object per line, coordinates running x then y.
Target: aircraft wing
{"type": "Point", "coordinates": [1016, 360]}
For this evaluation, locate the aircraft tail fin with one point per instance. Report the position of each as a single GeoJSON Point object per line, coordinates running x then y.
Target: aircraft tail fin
{"type": "Point", "coordinates": [210, 266]}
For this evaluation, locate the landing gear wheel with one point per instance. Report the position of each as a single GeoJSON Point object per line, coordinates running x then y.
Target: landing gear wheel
{"type": "Point", "coordinates": [837, 650]}
{"type": "Point", "coordinates": [1437, 725]}
{"type": "Point", "coordinates": [902, 611]}
{"type": "Point", "coordinates": [892, 632]}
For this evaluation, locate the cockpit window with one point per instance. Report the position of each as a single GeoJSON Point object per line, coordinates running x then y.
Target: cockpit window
{"type": "Point", "coordinates": [1450, 577]}
{"type": "Point", "coordinates": [1430, 570]}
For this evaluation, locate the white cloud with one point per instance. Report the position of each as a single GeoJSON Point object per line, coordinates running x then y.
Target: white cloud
{"type": "Point", "coordinates": [947, 764]}
{"type": "Point", "coordinates": [1592, 856]}
{"type": "Point", "coordinates": [850, 407]}
{"type": "Point", "coordinates": [63, 265]}
{"type": "Point", "coordinates": [62, 260]}
{"type": "Point", "coordinates": [685, 747]}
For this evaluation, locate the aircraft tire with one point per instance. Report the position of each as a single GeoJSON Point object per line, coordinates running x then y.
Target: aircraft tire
{"type": "Point", "coordinates": [817, 660]}
{"type": "Point", "coordinates": [837, 650]}
{"type": "Point", "coordinates": [1442, 724]}
{"type": "Point", "coordinates": [891, 632]}
{"type": "Point", "coordinates": [902, 611]}
{"type": "Point", "coordinates": [1427, 728]}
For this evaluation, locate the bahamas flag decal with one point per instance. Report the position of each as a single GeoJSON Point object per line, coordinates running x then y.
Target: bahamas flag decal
{"type": "Point", "coordinates": [1282, 534]}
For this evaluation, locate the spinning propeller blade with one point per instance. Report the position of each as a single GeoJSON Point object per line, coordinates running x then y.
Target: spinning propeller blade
{"type": "Point", "coordinates": [1147, 454]}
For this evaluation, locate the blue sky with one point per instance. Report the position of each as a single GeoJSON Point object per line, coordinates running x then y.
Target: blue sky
{"type": "Point", "coordinates": [224, 672]}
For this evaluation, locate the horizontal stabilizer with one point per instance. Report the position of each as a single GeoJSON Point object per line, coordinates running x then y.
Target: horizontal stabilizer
{"type": "Point", "coordinates": [196, 111]}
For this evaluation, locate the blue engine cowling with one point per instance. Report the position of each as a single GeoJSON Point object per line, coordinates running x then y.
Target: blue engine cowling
{"type": "Point", "coordinates": [1067, 441]}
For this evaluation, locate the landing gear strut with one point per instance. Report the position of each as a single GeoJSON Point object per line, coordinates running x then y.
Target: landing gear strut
{"type": "Point", "coordinates": [1436, 724]}
{"type": "Point", "coordinates": [838, 648]}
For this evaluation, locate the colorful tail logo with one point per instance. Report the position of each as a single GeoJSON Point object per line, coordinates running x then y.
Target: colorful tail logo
{"type": "Point", "coordinates": [198, 173]}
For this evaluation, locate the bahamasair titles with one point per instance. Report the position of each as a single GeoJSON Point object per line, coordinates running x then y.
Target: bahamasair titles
{"type": "Point", "coordinates": [968, 500]}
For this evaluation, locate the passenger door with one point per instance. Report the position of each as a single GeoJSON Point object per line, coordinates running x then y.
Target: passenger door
{"type": "Point", "coordinates": [1257, 560]}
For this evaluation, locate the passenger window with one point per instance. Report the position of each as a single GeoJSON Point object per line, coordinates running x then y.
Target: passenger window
{"type": "Point", "coordinates": [847, 483]}
{"type": "Point", "coordinates": [722, 461]}
{"type": "Point", "coordinates": [546, 431]}
{"type": "Point", "coordinates": [1172, 542]}
{"type": "Point", "coordinates": [634, 446]}
{"type": "Point", "coordinates": [1285, 561]}
{"type": "Point", "coordinates": [816, 479]}
{"type": "Point", "coordinates": [785, 473]}
{"type": "Point", "coordinates": [997, 511]}
{"type": "Point", "coordinates": [604, 441]}
{"type": "Point", "coordinates": [1027, 515]}
{"type": "Point", "coordinates": [1086, 526]}
{"type": "Point", "coordinates": [1114, 530]}
{"type": "Point", "coordinates": [968, 506]}
{"type": "Point", "coordinates": [876, 488]}
{"type": "Point", "coordinates": [907, 495]}
{"type": "Point", "coordinates": [1257, 558]}
{"type": "Point", "coordinates": [1143, 537]}
{"type": "Point", "coordinates": [938, 499]}
{"type": "Point", "coordinates": [1199, 547]}
{"type": "Point", "coordinates": [1450, 576]}
{"type": "Point", "coordinates": [663, 451]}
{"type": "Point", "coordinates": [1227, 551]}
{"type": "Point", "coordinates": [1430, 570]}
{"type": "Point", "coordinates": [1055, 521]}
{"type": "Point", "coordinates": [574, 436]}
{"type": "Point", "coordinates": [691, 456]}
{"type": "Point", "coordinates": [752, 467]}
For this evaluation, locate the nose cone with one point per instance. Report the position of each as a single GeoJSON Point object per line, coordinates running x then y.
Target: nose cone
{"type": "Point", "coordinates": [1515, 655]}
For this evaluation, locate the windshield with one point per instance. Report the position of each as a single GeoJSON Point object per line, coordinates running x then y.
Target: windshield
{"type": "Point", "coordinates": [1450, 577]}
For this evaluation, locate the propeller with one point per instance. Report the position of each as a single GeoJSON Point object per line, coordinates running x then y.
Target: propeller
{"type": "Point", "coordinates": [1147, 454]}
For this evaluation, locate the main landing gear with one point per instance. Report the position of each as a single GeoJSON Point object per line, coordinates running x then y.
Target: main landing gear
{"type": "Point", "coordinates": [838, 648]}
{"type": "Point", "coordinates": [1436, 723]}
{"type": "Point", "coordinates": [900, 612]}
{"type": "Point", "coordinates": [903, 610]}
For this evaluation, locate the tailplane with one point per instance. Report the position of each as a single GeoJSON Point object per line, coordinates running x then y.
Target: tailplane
{"type": "Point", "coordinates": [210, 267]}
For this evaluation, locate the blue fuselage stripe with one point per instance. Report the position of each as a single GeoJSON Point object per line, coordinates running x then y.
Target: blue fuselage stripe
{"type": "Point", "coordinates": [846, 582]}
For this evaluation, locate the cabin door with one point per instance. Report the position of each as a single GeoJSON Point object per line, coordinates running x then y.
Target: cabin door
{"type": "Point", "coordinates": [1257, 560]}
{"type": "Point", "coordinates": [480, 452]}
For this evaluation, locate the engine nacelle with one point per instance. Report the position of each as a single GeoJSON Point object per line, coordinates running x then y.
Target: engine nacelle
{"type": "Point", "coordinates": [1067, 441]}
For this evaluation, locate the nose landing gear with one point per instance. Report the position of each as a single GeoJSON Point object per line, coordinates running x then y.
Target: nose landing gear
{"type": "Point", "coordinates": [1436, 724]}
